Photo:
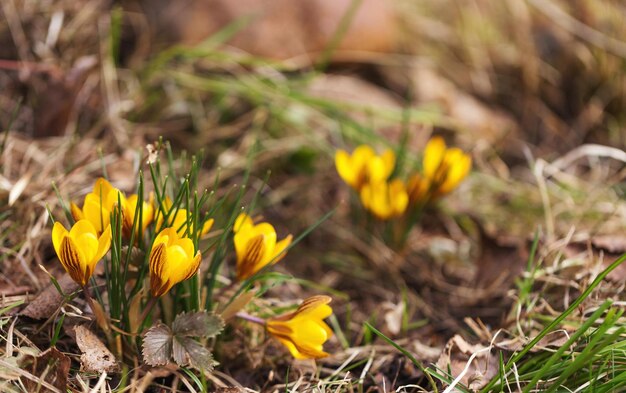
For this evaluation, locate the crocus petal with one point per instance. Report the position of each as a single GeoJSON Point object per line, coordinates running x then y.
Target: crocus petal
{"type": "Point", "coordinates": [389, 158]}
{"type": "Point", "coordinates": [82, 227]}
{"type": "Point", "coordinates": [418, 188]}
{"type": "Point", "coordinates": [104, 243]}
{"type": "Point", "coordinates": [94, 211]}
{"type": "Point", "coordinates": [398, 196]}
{"type": "Point", "coordinates": [250, 260]}
{"type": "Point", "coordinates": [433, 156]}
{"type": "Point", "coordinates": [307, 330]}
{"type": "Point", "coordinates": [102, 186]}
{"type": "Point", "coordinates": [192, 268]}
{"type": "Point", "coordinates": [176, 263]}
{"type": "Point", "coordinates": [343, 163]}
{"type": "Point", "coordinates": [157, 264]}
{"type": "Point", "coordinates": [88, 243]}
{"type": "Point", "coordinates": [208, 224]}
{"type": "Point", "coordinates": [58, 233]}
{"type": "Point", "coordinates": [243, 221]}
{"type": "Point", "coordinates": [377, 171]}
{"type": "Point", "coordinates": [304, 332]}
{"type": "Point", "coordinates": [73, 261]}
{"type": "Point", "coordinates": [361, 155]}
{"type": "Point", "coordinates": [459, 166]}
{"type": "Point", "coordinates": [77, 213]}
{"type": "Point", "coordinates": [187, 246]}
{"type": "Point", "coordinates": [171, 261]}
{"type": "Point", "coordinates": [179, 221]}
{"type": "Point", "coordinates": [291, 347]}
{"type": "Point", "coordinates": [279, 249]}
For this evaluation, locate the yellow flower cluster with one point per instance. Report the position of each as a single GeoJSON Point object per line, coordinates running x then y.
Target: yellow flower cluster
{"type": "Point", "coordinates": [368, 173]}
{"type": "Point", "coordinates": [173, 257]}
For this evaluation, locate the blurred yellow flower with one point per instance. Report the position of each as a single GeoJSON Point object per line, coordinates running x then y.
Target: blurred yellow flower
{"type": "Point", "coordinates": [129, 207]}
{"type": "Point", "coordinates": [443, 169]}
{"type": "Point", "coordinates": [304, 331]}
{"type": "Point", "coordinates": [98, 205]}
{"type": "Point", "coordinates": [385, 200]}
{"type": "Point", "coordinates": [256, 246]}
{"type": "Point", "coordinates": [364, 165]}
{"type": "Point", "coordinates": [171, 261]}
{"type": "Point", "coordinates": [178, 219]}
{"type": "Point", "coordinates": [80, 249]}
{"type": "Point", "coordinates": [418, 188]}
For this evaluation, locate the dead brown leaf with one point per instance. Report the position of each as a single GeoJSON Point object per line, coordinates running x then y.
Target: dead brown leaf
{"type": "Point", "coordinates": [50, 366]}
{"type": "Point", "coordinates": [476, 371]}
{"type": "Point", "coordinates": [311, 25]}
{"type": "Point", "coordinates": [49, 300]}
{"type": "Point", "coordinates": [614, 244]}
{"type": "Point", "coordinates": [96, 357]}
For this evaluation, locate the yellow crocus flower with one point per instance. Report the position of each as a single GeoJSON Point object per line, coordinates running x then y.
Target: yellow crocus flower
{"type": "Point", "coordinates": [80, 249]}
{"type": "Point", "coordinates": [385, 200]}
{"type": "Point", "coordinates": [128, 212]}
{"type": "Point", "coordinates": [418, 188]}
{"type": "Point", "coordinates": [444, 168]}
{"type": "Point", "coordinates": [304, 331]}
{"type": "Point", "coordinates": [172, 260]}
{"type": "Point", "coordinates": [179, 219]}
{"type": "Point", "coordinates": [98, 205]}
{"type": "Point", "coordinates": [256, 246]}
{"type": "Point", "coordinates": [364, 165]}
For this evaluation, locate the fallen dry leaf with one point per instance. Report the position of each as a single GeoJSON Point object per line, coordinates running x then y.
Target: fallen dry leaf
{"type": "Point", "coordinates": [615, 244]}
{"type": "Point", "coordinates": [479, 121]}
{"type": "Point", "coordinates": [96, 357]}
{"type": "Point", "coordinates": [456, 357]}
{"type": "Point", "coordinates": [311, 25]}
{"type": "Point", "coordinates": [393, 316]}
{"type": "Point", "coordinates": [51, 367]}
{"type": "Point", "coordinates": [49, 300]}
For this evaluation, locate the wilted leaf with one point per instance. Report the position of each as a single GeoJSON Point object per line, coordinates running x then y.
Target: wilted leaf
{"type": "Point", "coordinates": [197, 324]}
{"type": "Point", "coordinates": [237, 305]}
{"type": "Point", "coordinates": [187, 351]}
{"type": "Point", "coordinates": [96, 356]}
{"type": "Point", "coordinates": [51, 366]}
{"type": "Point", "coordinates": [457, 355]}
{"type": "Point", "coordinates": [393, 316]}
{"type": "Point", "coordinates": [134, 311]}
{"type": "Point", "coordinates": [48, 301]}
{"type": "Point", "coordinates": [157, 345]}
{"type": "Point", "coordinates": [18, 188]}
{"type": "Point", "coordinates": [615, 244]}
